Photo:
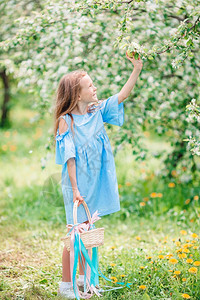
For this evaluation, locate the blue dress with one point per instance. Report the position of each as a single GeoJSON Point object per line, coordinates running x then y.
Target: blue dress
{"type": "Point", "coordinates": [95, 165]}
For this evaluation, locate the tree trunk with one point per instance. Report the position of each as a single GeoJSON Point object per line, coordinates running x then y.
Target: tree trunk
{"type": "Point", "coordinates": [4, 110]}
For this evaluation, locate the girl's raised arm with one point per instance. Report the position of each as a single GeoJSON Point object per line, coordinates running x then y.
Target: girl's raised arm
{"type": "Point", "coordinates": [126, 90]}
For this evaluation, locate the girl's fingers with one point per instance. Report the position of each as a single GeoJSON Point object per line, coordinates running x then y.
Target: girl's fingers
{"type": "Point", "coordinates": [80, 201]}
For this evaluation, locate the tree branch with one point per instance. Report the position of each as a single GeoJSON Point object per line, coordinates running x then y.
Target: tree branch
{"type": "Point", "coordinates": [169, 47]}
{"type": "Point", "coordinates": [171, 75]}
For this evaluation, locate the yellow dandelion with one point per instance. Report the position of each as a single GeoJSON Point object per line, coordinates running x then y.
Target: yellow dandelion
{"type": "Point", "coordinates": [174, 276]}
{"type": "Point", "coordinates": [189, 260]}
{"type": "Point", "coordinates": [128, 184]}
{"type": "Point", "coordinates": [13, 148]}
{"type": "Point", "coordinates": [179, 250]}
{"type": "Point", "coordinates": [193, 270]}
{"type": "Point", "coordinates": [184, 168]}
{"type": "Point", "coordinates": [183, 232]}
{"type": "Point", "coordinates": [159, 195]}
{"type": "Point", "coordinates": [142, 267]}
{"type": "Point", "coordinates": [173, 240]}
{"type": "Point", "coordinates": [193, 242]}
{"type": "Point", "coordinates": [171, 185]}
{"type": "Point", "coordinates": [174, 173]}
{"type": "Point", "coordinates": [192, 220]}
{"type": "Point", "coordinates": [170, 270]}
{"type": "Point", "coordinates": [119, 186]}
{"type": "Point", "coordinates": [185, 296]}
{"type": "Point", "coordinates": [149, 257]}
{"type": "Point", "coordinates": [188, 245]}
{"type": "Point", "coordinates": [186, 250]}
{"type": "Point", "coordinates": [7, 134]}
{"type": "Point", "coordinates": [184, 279]}
{"type": "Point", "coordinates": [142, 203]}
{"type": "Point", "coordinates": [177, 272]}
{"type": "Point", "coordinates": [173, 261]}
{"type": "Point", "coordinates": [145, 199]}
{"type": "Point", "coordinates": [4, 147]}
{"type": "Point", "coordinates": [187, 201]}
{"type": "Point", "coordinates": [194, 235]}
{"type": "Point", "coordinates": [191, 255]}
{"type": "Point", "coordinates": [195, 247]}
{"type": "Point", "coordinates": [122, 275]}
{"type": "Point", "coordinates": [161, 256]}
{"type": "Point", "coordinates": [153, 195]}
{"type": "Point", "coordinates": [112, 264]}
{"type": "Point", "coordinates": [168, 256]}
{"type": "Point", "coordinates": [114, 279]}
{"type": "Point", "coordinates": [178, 243]}
{"type": "Point", "coordinates": [196, 197]}
{"type": "Point", "coordinates": [113, 247]}
{"type": "Point", "coordinates": [196, 263]}
{"type": "Point", "coordinates": [142, 287]}
{"type": "Point", "coordinates": [138, 238]}
{"type": "Point", "coordinates": [182, 255]}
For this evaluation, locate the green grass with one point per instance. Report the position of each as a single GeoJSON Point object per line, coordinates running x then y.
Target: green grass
{"type": "Point", "coordinates": [32, 222]}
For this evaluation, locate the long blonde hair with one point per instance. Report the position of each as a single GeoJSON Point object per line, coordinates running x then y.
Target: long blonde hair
{"type": "Point", "coordinates": [67, 96]}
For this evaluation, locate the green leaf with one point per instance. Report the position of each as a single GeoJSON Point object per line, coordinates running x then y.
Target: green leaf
{"type": "Point", "coordinates": [189, 42]}
{"type": "Point", "coordinates": [136, 55]}
{"type": "Point", "coordinates": [43, 280]}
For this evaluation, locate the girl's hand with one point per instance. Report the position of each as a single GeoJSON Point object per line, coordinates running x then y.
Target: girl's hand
{"type": "Point", "coordinates": [136, 62]}
{"type": "Point", "coordinates": [91, 108]}
{"type": "Point", "coordinates": [94, 106]}
{"type": "Point", "coordinates": [77, 196]}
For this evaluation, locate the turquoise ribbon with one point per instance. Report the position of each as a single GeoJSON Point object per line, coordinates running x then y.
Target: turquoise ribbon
{"type": "Point", "coordinates": [93, 263]}
{"type": "Point", "coordinates": [77, 253]}
{"type": "Point", "coordinates": [94, 278]}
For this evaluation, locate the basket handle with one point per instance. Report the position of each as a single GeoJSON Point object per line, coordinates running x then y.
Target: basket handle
{"type": "Point", "coordinates": [75, 211]}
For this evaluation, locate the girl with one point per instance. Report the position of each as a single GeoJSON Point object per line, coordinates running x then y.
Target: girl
{"type": "Point", "coordinates": [84, 151]}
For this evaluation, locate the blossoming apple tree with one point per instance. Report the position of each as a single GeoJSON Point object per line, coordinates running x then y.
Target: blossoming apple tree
{"type": "Point", "coordinates": [60, 36]}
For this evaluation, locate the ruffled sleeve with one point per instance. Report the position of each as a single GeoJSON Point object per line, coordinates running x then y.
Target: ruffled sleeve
{"type": "Point", "coordinates": [112, 112]}
{"type": "Point", "coordinates": [65, 147]}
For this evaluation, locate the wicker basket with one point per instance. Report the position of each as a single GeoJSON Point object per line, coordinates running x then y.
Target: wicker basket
{"type": "Point", "coordinates": [91, 238]}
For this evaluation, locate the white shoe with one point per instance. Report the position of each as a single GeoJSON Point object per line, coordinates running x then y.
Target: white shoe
{"type": "Point", "coordinates": [67, 293]}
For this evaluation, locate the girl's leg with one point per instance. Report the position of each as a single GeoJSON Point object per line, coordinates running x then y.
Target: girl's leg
{"type": "Point", "coordinates": [66, 264]}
